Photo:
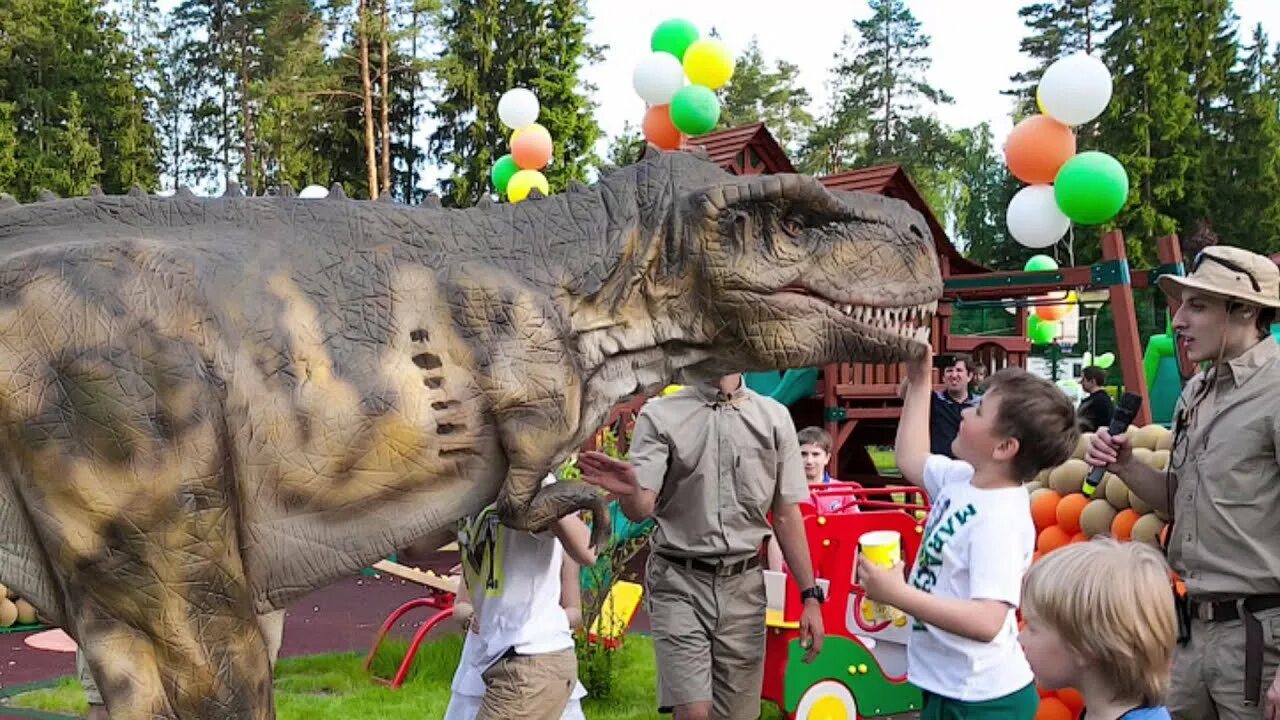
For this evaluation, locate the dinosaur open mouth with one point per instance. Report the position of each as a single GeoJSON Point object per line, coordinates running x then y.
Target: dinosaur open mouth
{"type": "Point", "coordinates": [913, 322]}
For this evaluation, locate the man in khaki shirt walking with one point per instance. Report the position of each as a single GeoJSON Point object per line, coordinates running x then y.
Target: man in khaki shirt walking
{"type": "Point", "coordinates": [1223, 488]}
{"type": "Point", "coordinates": [709, 463]}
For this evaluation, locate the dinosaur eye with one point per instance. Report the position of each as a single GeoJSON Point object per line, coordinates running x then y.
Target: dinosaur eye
{"type": "Point", "coordinates": [792, 226]}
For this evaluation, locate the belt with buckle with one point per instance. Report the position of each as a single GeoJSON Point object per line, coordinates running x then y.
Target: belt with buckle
{"type": "Point", "coordinates": [714, 568]}
{"type": "Point", "coordinates": [1242, 609]}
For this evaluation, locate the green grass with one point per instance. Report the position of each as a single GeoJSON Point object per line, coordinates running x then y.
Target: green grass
{"type": "Point", "coordinates": [883, 458]}
{"type": "Point", "coordinates": [336, 686]}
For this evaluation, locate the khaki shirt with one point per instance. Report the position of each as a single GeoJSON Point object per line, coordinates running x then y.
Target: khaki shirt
{"type": "Point", "coordinates": [1225, 540]}
{"type": "Point", "coordinates": [718, 463]}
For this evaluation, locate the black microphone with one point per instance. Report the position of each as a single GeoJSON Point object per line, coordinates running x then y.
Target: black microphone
{"type": "Point", "coordinates": [1125, 410]}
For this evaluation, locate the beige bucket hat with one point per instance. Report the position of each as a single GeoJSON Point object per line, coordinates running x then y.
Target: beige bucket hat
{"type": "Point", "coordinates": [1231, 273]}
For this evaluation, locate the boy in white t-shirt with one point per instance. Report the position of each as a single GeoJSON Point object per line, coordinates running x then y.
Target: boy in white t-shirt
{"type": "Point", "coordinates": [521, 661]}
{"type": "Point", "coordinates": [978, 541]}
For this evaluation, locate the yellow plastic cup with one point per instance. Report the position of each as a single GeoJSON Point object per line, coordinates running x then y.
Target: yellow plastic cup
{"type": "Point", "coordinates": [882, 547]}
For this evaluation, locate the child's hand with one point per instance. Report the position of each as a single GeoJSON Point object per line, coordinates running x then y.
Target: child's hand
{"type": "Point", "coordinates": [880, 583]}
{"type": "Point", "coordinates": [918, 368]}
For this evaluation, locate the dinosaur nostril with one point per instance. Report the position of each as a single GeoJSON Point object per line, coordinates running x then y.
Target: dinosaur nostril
{"type": "Point", "coordinates": [915, 230]}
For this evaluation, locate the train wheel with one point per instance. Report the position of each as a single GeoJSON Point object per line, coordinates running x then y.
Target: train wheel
{"type": "Point", "coordinates": [827, 700]}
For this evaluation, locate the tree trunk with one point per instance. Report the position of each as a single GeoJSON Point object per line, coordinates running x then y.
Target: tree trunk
{"type": "Point", "coordinates": [246, 110]}
{"type": "Point", "coordinates": [410, 179]}
{"type": "Point", "coordinates": [370, 154]}
{"type": "Point", "coordinates": [384, 84]}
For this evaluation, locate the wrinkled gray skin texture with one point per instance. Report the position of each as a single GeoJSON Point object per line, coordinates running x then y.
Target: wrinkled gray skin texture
{"type": "Point", "coordinates": [212, 407]}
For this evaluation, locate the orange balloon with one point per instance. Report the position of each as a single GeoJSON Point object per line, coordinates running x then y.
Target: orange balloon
{"type": "Point", "coordinates": [531, 147]}
{"type": "Point", "coordinates": [1068, 512]}
{"type": "Point", "coordinates": [1052, 538]}
{"type": "Point", "coordinates": [1044, 508]}
{"type": "Point", "coordinates": [659, 130]}
{"type": "Point", "coordinates": [1052, 313]}
{"type": "Point", "coordinates": [1051, 708]}
{"type": "Point", "coordinates": [1037, 148]}
{"type": "Point", "coordinates": [1122, 526]}
{"type": "Point", "coordinates": [1072, 699]}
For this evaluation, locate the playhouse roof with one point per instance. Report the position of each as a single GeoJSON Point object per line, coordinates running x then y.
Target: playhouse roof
{"type": "Point", "coordinates": [745, 150]}
{"type": "Point", "coordinates": [752, 150]}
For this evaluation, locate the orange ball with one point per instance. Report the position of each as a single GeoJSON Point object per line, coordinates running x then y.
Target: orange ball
{"type": "Point", "coordinates": [659, 130]}
{"type": "Point", "coordinates": [1044, 508]}
{"type": "Point", "coordinates": [1068, 512]}
{"type": "Point", "coordinates": [1122, 526]}
{"type": "Point", "coordinates": [1051, 708]}
{"type": "Point", "coordinates": [531, 147]}
{"type": "Point", "coordinates": [1072, 699]}
{"type": "Point", "coordinates": [1037, 148]}
{"type": "Point", "coordinates": [1035, 557]}
{"type": "Point", "coordinates": [1079, 538]}
{"type": "Point", "coordinates": [1052, 538]}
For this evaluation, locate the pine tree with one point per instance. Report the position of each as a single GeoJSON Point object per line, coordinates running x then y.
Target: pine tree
{"type": "Point", "coordinates": [491, 46]}
{"type": "Point", "coordinates": [48, 51]}
{"type": "Point", "coordinates": [1212, 49]}
{"type": "Point", "coordinates": [877, 114]}
{"type": "Point", "coordinates": [8, 148]}
{"type": "Point", "coordinates": [1243, 174]}
{"type": "Point", "coordinates": [775, 97]}
{"type": "Point", "coordinates": [1149, 124]}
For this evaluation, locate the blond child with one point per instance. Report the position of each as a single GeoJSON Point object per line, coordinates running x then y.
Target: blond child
{"type": "Point", "coordinates": [963, 651]}
{"type": "Point", "coordinates": [1100, 618]}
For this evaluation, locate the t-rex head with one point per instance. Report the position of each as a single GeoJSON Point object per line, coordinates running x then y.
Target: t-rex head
{"type": "Point", "coordinates": [776, 271]}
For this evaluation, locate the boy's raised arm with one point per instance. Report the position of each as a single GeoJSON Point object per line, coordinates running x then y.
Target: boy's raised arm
{"type": "Point", "coordinates": [911, 447]}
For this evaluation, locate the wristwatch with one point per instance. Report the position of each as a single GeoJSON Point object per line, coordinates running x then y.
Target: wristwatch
{"type": "Point", "coordinates": [814, 592]}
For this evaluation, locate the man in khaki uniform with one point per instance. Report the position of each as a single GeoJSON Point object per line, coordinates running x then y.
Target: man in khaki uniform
{"type": "Point", "coordinates": [709, 463]}
{"type": "Point", "coordinates": [1223, 487]}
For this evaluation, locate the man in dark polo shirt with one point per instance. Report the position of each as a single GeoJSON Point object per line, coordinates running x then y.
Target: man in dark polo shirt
{"type": "Point", "coordinates": [944, 416]}
{"type": "Point", "coordinates": [1096, 409]}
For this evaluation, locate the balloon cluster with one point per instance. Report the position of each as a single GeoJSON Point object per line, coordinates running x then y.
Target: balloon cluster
{"type": "Point", "coordinates": [1062, 186]}
{"type": "Point", "coordinates": [518, 172]}
{"type": "Point", "coordinates": [1045, 322]}
{"type": "Point", "coordinates": [674, 108]}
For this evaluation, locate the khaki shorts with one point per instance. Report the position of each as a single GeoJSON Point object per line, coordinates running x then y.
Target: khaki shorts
{"type": "Point", "coordinates": [1208, 672]}
{"type": "Point", "coordinates": [529, 687]}
{"type": "Point", "coordinates": [708, 638]}
{"type": "Point", "coordinates": [271, 624]}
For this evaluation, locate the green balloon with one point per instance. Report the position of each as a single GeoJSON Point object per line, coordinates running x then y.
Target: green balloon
{"type": "Point", "coordinates": [1091, 188]}
{"type": "Point", "coordinates": [1040, 263]}
{"type": "Point", "coordinates": [1042, 332]}
{"type": "Point", "coordinates": [674, 36]}
{"type": "Point", "coordinates": [695, 110]}
{"type": "Point", "coordinates": [502, 172]}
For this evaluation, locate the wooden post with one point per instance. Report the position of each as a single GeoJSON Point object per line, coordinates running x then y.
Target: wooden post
{"type": "Point", "coordinates": [1169, 250]}
{"type": "Point", "coordinates": [1128, 342]}
{"type": "Point", "coordinates": [830, 400]}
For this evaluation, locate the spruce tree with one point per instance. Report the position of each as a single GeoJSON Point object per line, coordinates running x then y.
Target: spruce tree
{"type": "Point", "coordinates": [489, 47]}
{"type": "Point", "coordinates": [774, 96]}
{"type": "Point", "coordinates": [1149, 125]}
{"type": "Point", "coordinates": [879, 112]}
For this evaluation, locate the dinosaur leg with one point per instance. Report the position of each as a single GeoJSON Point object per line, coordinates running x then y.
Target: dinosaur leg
{"type": "Point", "coordinates": [129, 475]}
{"type": "Point", "coordinates": [523, 502]}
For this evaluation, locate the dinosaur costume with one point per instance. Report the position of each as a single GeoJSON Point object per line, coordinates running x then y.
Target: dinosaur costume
{"type": "Point", "coordinates": [212, 407]}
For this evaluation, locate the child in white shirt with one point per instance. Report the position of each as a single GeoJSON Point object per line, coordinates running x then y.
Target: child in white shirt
{"type": "Point", "coordinates": [978, 541]}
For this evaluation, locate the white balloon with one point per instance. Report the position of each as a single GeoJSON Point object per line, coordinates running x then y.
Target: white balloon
{"type": "Point", "coordinates": [1034, 219]}
{"type": "Point", "coordinates": [1075, 89]}
{"type": "Point", "coordinates": [657, 77]}
{"type": "Point", "coordinates": [518, 108]}
{"type": "Point", "coordinates": [313, 192]}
